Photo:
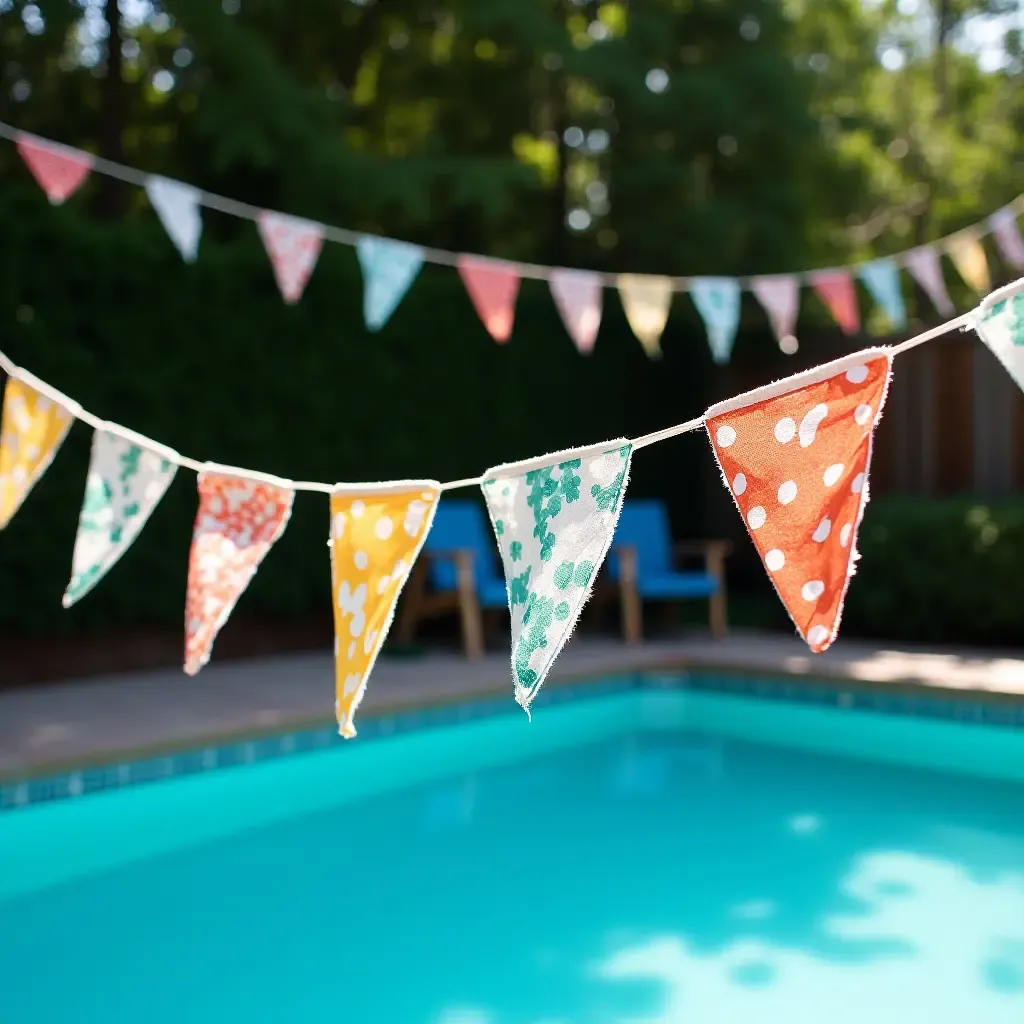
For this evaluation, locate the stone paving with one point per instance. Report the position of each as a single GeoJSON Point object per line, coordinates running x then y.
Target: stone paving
{"type": "Point", "coordinates": [110, 718]}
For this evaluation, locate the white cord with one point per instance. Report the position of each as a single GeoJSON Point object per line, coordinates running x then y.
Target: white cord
{"type": "Point", "coordinates": [12, 370]}
{"type": "Point", "coordinates": [344, 236]}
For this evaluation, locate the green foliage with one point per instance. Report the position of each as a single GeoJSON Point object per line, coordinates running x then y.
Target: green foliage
{"type": "Point", "coordinates": [209, 360]}
{"type": "Point", "coordinates": [941, 571]}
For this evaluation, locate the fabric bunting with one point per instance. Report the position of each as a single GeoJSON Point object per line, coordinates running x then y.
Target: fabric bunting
{"type": "Point", "coordinates": [389, 269]}
{"type": "Point", "coordinates": [779, 294]}
{"type": "Point", "coordinates": [293, 246]}
{"type": "Point", "coordinates": [554, 519]}
{"type": "Point", "coordinates": [377, 531]}
{"type": "Point", "coordinates": [1001, 328]}
{"type": "Point", "coordinates": [579, 296]}
{"type": "Point", "coordinates": [241, 515]}
{"type": "Point", "coordinates": [125, 483]}
{"type": "Point", "coordinates": [646, 300]}
{"type": "Point", "coordinates": [796, 457]}
{"type": "Point", "coordinates": [718, 301]}
{"type": "Point", "coordinates": [1007, 233]}
{"type": "Point", "coordinates": [882, 280]}
{"type": "Point", "coordinates": [926, 270]}
{"type": "Point", "coordinates": [33, 428]}
{"type": "Point", "coordinates": [493, 288]}
{"type": "Point", "coordinates": [968, 256]}
{"type": "Point", "coordinates": [177, 206]}
{"type": "Point", "coordinates": [58, 170]}
{"type": "Point", "coordinates": [835, 288]}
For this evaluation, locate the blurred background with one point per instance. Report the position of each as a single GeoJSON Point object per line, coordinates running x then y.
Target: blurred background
{"type": "Point", "coordinates": [681, 137]}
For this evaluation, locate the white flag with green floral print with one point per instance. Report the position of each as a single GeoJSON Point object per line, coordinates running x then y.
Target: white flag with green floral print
{"type": "Point", "coordinates": [554, 519]}
{"type": "Point", "coordinates": [1001, 327]}
{"type": "Point", "coordinates": [125, 483]}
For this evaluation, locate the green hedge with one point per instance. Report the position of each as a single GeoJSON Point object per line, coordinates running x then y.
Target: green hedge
{"type": "Point", "coordinates": [946, 571]}
{"type": "Point", "coordinates": [208, 359]}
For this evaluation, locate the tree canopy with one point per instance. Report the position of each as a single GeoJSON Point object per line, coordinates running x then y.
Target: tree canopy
{"type": "Point", "coordinates": [674, 136]}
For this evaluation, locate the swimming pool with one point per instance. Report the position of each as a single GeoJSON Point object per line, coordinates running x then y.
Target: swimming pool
{"type": "Point", "coordinates": [670, 855]}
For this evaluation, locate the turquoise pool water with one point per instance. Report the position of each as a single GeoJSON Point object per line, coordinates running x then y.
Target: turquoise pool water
{"type": "Point", "coordinates": [662, 857]}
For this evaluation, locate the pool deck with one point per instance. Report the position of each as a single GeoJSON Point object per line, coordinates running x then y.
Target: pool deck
{"type": "Point", "coordinates": [109, 718]}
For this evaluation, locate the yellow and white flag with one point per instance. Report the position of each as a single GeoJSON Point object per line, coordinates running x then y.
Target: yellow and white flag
{"type": "Point", "coordinates": [36, 420]}
{"type": "Point", "coordinates": [377, 531]}
{"type": "Point", "coordinates": [646, 300]}
{"type": "Point", "coordinates": [968, 256]}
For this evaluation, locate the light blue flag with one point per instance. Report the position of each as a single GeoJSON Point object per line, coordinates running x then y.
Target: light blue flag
{"type": "Point", "coordinates": [882, 279]}
{"type": "Point", "coordinates": [718, 301]}
{"type": "Point", "coordinates": [389, 268]}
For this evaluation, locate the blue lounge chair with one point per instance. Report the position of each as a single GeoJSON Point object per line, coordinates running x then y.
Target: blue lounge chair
{"type": "Point", "coordinates": [457, 571]}
{"type": "Point", "coordinates": [643, 563]}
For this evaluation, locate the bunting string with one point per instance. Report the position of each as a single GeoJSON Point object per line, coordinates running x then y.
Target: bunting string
{"type": "Point", "coordinates": [390, 266]}
{"type": "Point", "coordinates": [795, 456]}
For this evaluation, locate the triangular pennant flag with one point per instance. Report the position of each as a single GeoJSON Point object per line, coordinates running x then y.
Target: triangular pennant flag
{"type": "Point", "coordinates": [796, 456]}
{"type": "Point", "coordinates": [554, 519]}
{"type": "Point", "coordinates": [926, 270]}
{"type": "Point", "coordinates": [718, 301]}
{"type": "Point", "coordinates": [835, 288]}
{"type": "Point", "coordinates": [377, 531]}
{"type": "Point", "coordinates": [125, 483]}
{"type": "Point", "coordinates": [1001, 327]}
{"type": "Point", "coordinates": [34, 426]}
{"type": "Point", "coordinates": [240, 517]}
{"type": "Point", "coordinates": [1007, 231]}
{"type": "Point", "coordinates": [779, 294]}
{"type": "Point", "coordinates": [293, 246]}
{"type": "Point", "coordinates": [177, 206]}
{"type": "Point", "coordinates": [389, 268]}
{"type": "Point", "coordinates": [58, 169]}
{"type": "Point", "coordinates": [968, 256]}
{"type": "Point", "coordinates": [646, 300]}
{"type": "Point", "coordinates": [882, 280]}
{"type": "Point", "coordinates": [493, 287]}
{"type": "Point", "coordinates": [578, 295]}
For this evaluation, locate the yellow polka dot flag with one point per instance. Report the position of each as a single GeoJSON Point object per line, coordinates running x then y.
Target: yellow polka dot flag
{"type": "Point", "coordinates": [377, 531]}
{"type": "Point", "coordinates": [34, 427]}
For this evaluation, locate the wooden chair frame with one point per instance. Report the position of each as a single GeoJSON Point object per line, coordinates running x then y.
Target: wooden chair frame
{"type": "Point", "coordinates": [419, 603]}
{"type": "Point", "coordinates": [714, 553]}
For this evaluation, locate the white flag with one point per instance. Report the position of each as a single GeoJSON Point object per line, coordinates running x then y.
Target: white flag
{"type": "Point", "coordinates": [125, 483]}
{"type": "Point", "coordinates": [1004, 226]}
{"type": "Point", "coordinates": [926, 270]}
{"type": "Point", "coordinates": [177, 206]}
{"type": "Point", "coordinates": [779, 294]}
{"type": "Point", "coordinates": [1001, 327]}
{"type": "Point", "coordinates": [578, 296]}
{"type": "Point", "coordinates": [554, 518]}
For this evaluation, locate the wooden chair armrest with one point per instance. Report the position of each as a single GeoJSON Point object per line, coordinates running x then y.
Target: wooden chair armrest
{"type": "Point", "coordinates": [692, 548]}
{"type": "Point", "coordinates": [465, 576]}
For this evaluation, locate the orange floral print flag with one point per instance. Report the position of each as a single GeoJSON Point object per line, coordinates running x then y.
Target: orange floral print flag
{"type": "Point", "coordinates": [239, 519]}
{"type": "Point", "coordinates": [34, 427]}
{"type": "Point", "coordinates": [377, 531]}
{"type": "Point", "coordinates": [796, 457]}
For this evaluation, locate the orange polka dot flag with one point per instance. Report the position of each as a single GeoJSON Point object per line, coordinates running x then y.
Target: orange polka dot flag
{"type": "Point", "coordinates": [796, 456]}
{"type": "Point", "coordinates": [33, 429]}
{"type": "Point", "coordinates": [241, 515]}
{"type": "Point", "coordinates": [377, 531]}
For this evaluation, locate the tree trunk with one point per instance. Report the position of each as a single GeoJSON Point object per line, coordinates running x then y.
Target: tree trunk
{"type": "Point", "coordinates": [112, 194]}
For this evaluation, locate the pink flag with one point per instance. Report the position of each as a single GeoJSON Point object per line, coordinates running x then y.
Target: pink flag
{"type": "Point", "coordinates": [293, 246]}
{"type": "Point", "coordinates": [58, 170]}
{"type": "Point", "coordinates": [836, 290]}
{"type": "Point", "coordinates": [926, 270]}
{"type": "Point", "coordinates": [1004, 226]}
{"type": "Point", "coordinates": [780, 297]}
{"type": "Point", "coordinates": [578, 295]}
{"type": "Point", "coordinates": [493, 287]}
{"type": "Point", "coordinates": [239, 519]}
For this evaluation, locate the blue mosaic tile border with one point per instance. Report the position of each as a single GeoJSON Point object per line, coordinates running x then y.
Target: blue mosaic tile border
{"type": "Point", "coordinates": [836, 693]}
